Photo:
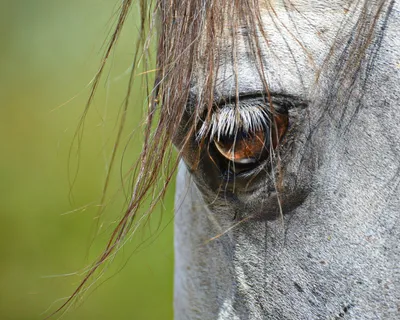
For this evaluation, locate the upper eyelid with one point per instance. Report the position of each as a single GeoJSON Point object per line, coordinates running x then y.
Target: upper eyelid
{"type": "Point", "coordinates": [281, 99]}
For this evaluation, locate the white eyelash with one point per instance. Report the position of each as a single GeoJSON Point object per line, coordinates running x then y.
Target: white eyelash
{"type": "Point", "coordinates": [226, 121]}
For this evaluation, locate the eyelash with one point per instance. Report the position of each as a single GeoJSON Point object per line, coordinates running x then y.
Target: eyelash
{"type": "Point", "coordinates": [251, 115]}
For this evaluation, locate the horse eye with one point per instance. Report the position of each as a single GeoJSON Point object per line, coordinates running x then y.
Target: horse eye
{"type": "Point", "coordinates": [243, 147]}
{"type": "Point", "coordinates": [251, 148]}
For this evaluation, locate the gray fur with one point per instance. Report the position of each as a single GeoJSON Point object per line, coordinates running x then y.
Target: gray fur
{"type": "Point", "coordinates": [335, 253]}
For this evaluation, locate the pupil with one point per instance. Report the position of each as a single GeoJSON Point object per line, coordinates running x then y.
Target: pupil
{"type": "Point", "coordinates": [248, 149]}
{"type": "Point", "coordinates": [245, 147]}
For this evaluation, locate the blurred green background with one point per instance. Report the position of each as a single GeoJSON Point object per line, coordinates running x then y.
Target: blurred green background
{"type": "Point", "coordinates": [50, 50]}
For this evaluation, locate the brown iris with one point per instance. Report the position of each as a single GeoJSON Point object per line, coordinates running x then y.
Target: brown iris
{"type": "Point", "coordinates": [248, 148]}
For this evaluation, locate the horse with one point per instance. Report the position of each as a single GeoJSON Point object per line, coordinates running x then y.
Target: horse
{"type": "Point", "coordinates": [285, 115]}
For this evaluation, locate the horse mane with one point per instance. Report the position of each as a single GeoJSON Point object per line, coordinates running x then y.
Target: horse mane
{"type": "Point", "coordinates": [188, 33]}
